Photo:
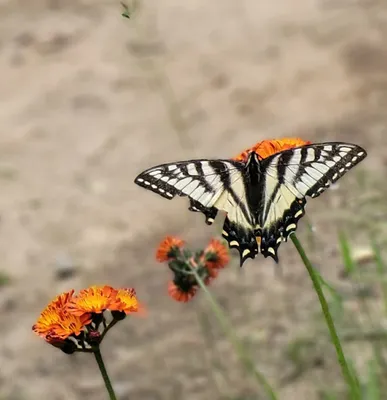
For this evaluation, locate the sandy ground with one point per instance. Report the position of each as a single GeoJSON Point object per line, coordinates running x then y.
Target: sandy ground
{"type": "Point", "coordinates": [89, 99]}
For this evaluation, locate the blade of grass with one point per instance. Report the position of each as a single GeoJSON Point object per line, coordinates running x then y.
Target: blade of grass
{"type": "Point", "coordinates": [329, 396]}
{"type": "Point", "coordinates": [381, 270]}
{"type": "Point", "coordinates": [373, 386]}
{"type": "Point", "coordinates": [349, 263]}
{"type": "Point", "coordinates": [212, 356]}
{"type": "Point", "coordinates": [353, 270]}
{"type": "Point", "coordinates": [244, 356]}
{"type": "Point", "coordinates": [314, 276]}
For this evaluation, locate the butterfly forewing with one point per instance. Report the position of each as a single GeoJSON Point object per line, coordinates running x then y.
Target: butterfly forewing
{"type": "Point", "coordinates": [211, 185]}
{"type": "Point", "coordinates": [294, 174]}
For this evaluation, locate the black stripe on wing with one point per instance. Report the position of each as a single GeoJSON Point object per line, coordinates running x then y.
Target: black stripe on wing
{"type": "Point", "coordinates": [240, 238]}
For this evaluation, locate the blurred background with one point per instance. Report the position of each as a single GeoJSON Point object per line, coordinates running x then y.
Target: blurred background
{"type": "Point", "coordinates": [89, 99]}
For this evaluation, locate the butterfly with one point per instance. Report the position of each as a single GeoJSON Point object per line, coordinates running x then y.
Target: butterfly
{"type": "Point", "coordinates": [263, 197]}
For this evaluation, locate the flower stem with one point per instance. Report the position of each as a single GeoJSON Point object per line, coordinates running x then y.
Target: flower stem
{"type": "Point", "coordinates": [247, 361]}
{"type": "Point", "coordinates": [105, 376]}
{"type": "Point", "coordinates": [314, 275]}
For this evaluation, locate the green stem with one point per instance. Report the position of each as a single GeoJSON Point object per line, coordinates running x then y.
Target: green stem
{"type": "Point", "coordinates": [328, 318]}
{"type": "Point", "coordinates": [105, 376]}
{"type": "Point", "coordinates": [247, 361]}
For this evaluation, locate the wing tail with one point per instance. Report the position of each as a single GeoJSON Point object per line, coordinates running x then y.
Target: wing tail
{"type": "Point", "coordinates": [209, 212]}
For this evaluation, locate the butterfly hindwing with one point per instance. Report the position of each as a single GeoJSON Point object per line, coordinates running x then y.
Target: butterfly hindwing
{"type": "Point", "coordinates": [241, 238]}
{"type": "Point", "coordinates": [209, 212]}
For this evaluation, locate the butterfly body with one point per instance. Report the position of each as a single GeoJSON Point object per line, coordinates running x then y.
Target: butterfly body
{"type": "Point", "coordinates": [263, 198]}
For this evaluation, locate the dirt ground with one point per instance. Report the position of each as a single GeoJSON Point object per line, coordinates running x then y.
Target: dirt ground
{"type": "Point", "coordinates": [89, 99]}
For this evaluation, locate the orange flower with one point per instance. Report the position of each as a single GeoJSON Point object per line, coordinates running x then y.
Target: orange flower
{"type": "Point", "coordinates": [267, 148]}
{"type": "Point", "coordinates": [216, 255]}
{"type": "Point", "coordinates": [126, 301]}
{"type": "Point", "coordinates": [168, 247]}
{"type": "Point", "coordinates": [95, 299]}
{"type": "Point", "coordinates": [180, 294]}
{"type": "Point", "coordinates": [56, 324]}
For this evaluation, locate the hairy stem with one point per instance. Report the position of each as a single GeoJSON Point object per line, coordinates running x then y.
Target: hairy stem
{"type": "Point", "coordinates": [105, 376]}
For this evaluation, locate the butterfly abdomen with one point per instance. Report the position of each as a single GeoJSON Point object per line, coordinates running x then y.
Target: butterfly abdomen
{"type": "Point", "coordinates": [254, 181]}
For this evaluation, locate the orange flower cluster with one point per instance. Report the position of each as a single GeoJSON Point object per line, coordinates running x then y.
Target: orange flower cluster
{"type": "Point", "coordinates": [182, 262]}
{"type": "Point", "coordinates": [74, 323]}
{"type": "Point", "coordinates": [267, 148]}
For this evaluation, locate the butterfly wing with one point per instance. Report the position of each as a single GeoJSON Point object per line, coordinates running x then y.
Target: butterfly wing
{"type": "Point", "coordinates": [292, 175]}
{"type": "Point", "coordinates": [211, 185]}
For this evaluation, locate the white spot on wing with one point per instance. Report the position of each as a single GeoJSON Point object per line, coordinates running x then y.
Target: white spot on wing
{"type": "Point", "coordinates": [311, 154]}
{"type": "Point", "coordinates": [183, 183]}
{"type": "Point", "coordinates": [192, 169]}
{"type": "Point", "coordinates": [172, 167]}
{"type": "Point", "coordinates": [191, 187]}
{"type": "Point", "coordinates": [290, 227]}
{"type": "Point", "coordinates": [313, 173]}
{"type": "Point", "coordinates": [308, 180]}
{"type": "Point", "coordinates": [196, 194]}
{"type": "Point", "coordinates": [245, 252]}
{"type": "Point", "coordinates": [301, 187]}
{"type": "Point", "coordinates": [321, 167]}
{"type": "Point", "coordinates": [207, 169]}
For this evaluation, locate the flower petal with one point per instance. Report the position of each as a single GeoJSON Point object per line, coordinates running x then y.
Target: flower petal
{"type": "Point", "coordinates": [267, 148]}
